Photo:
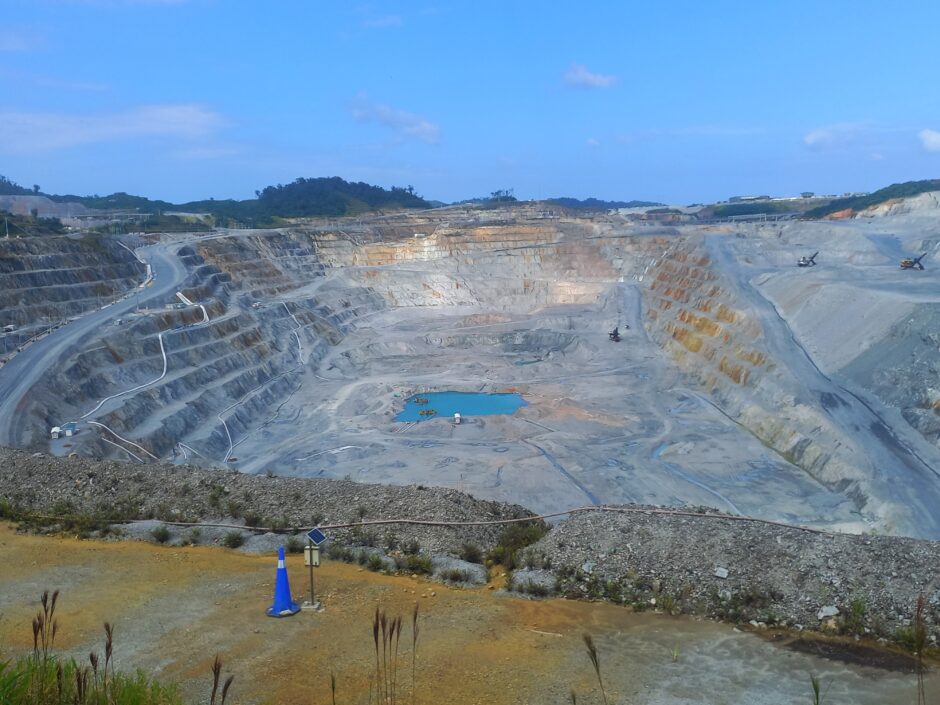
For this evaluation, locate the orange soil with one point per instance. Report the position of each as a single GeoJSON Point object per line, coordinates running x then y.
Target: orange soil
{"type": "Point", "coordinates": [174, 608]}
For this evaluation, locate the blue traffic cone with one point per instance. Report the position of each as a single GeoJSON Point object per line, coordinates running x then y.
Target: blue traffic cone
{"type": "Point", "coordinates": [283, 606]}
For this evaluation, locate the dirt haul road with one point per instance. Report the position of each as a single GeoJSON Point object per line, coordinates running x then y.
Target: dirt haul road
{"type": "Point", "coordinates": [19, 375]}
{"type": "Point", "coordinates": [174, 608]}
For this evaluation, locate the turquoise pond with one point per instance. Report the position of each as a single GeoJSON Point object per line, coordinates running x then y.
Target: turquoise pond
{"type": "Point", "coordinates": [446, 404]}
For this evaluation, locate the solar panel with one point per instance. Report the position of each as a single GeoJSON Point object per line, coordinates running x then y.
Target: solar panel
{"type": "Point", "coordinates": [316, 536]}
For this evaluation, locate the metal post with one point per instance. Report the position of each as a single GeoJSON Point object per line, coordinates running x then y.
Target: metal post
{"type": "Point", "coordinates": [312, 603]}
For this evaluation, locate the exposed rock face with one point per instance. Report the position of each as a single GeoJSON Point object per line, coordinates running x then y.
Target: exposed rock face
{"type": "Point", "coordinates": [44, 280]}
{"type": "Point", "coordinates": [227, 377]}
{"type": "Point", "coordinates": [922, 204]}
{"type": "Point", "coordinates": [714, 336]}
{"type": "Point", "coordinates": [46, 207]}
{"type": "Point", "coordinates": [904, 370]}
{"type": "Point", "coordinates": [733, 343]}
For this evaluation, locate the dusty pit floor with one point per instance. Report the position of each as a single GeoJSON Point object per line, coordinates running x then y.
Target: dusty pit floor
{"type": "Point", "coordinates": [173, 609]}
{"type": "Point", "coordinates": [606, 422]}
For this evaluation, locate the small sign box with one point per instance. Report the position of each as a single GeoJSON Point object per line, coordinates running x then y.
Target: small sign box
{"type": "Point", "coordinates": [316, 536]}
{"type": "Point", "coordinates": [312, 556]}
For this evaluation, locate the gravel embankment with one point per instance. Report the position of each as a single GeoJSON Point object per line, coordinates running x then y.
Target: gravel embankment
{"type": "Point", "coordinates": [730, 569]}
{"type": "Point", "coordinates": [180, 493]}
{"type": "Point", "coordinates": [748, 570]}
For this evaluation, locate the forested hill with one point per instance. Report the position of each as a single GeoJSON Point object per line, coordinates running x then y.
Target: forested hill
{"type": "Point", "coordinates": [334, 197]}
{"type": "Point", "coordinates": [858, 203]}
{"type": "Point", "coordinates": [318, 197]}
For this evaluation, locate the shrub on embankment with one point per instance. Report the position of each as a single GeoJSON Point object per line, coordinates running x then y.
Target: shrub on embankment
{"type": "Point", "coordinates": [749, 570]}
{"type": "Point", "coordinates": [733, 569]}
{"type": "Point", "coordinates": [83, 496]}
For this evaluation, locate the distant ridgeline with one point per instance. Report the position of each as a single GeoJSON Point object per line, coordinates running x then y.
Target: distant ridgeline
{"type": "Point", "coordinates": [859, 203]}
{"type": "Point", "coordinates": [320, 197]}
{"type": "Point", "coordinates": [596, 204]}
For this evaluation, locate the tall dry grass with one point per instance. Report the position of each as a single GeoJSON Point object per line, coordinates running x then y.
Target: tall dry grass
{"type": "Point", "coordinates": [42, 678]}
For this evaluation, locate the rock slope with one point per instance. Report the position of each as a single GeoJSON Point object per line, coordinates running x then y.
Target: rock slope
{"type": "Point", "coordinates": [38, 482]}
{"type": "Point", "coordinates": [737, 569]}
{"type": "Point", "coordinates": [44, 280]}
{"type": "Point", "coordinates": [748, 570]}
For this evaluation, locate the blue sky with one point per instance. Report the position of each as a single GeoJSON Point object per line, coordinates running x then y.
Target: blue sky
{"type": "Point", "coordinates": [670, 101]}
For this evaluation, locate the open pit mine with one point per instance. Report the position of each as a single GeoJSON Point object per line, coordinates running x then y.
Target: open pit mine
{"type": "Point", "coordinates": [736, 380]}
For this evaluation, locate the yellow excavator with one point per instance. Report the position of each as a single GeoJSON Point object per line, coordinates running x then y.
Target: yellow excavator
{"type": "Point", "coordinates": [908, 263]}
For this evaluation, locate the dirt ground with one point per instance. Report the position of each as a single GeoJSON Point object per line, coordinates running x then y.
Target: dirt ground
{"type": "Point", "coordinates": [175, 608]}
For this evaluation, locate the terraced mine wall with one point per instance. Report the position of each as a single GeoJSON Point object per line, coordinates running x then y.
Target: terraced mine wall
{"type": "Point", "coordinates": [718, 338]}
{"type": "Point", "coordinates": [877, 332]}
{"type": "Point", "coordinates": [279, 303]}
{"type": "Point", "coordinates": [44, 280]}
{"type": "Point", "coordinates": [224, 377]}
{"type": "Point", "coordinates": [227, 377]}
{"type": "Point", "coordinates": [696, 316]}
{"type": "Point", "coordinates": [497, 267]}
{"type": "Point", "coordinates": [737, 570]}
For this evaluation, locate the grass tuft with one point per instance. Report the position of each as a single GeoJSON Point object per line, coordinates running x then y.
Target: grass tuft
{"type": "Point", "coordinates": [592, 654]}
{"type": "Point", "coordinates": [42, 678]}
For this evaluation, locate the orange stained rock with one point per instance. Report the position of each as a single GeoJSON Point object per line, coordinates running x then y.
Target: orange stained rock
{"type": "Point", "coordinates": [736, 373]}
{"type": "Point", "coordinates": [704, 305]}
{"type": "Point", "coordinates": [726, 314]}
{"type": "Point", "coordinates": [689, 340]}
{"type": "Point", "coordinates": [755, 357]}
{"type": "Point", "coordinates": [700, 323]}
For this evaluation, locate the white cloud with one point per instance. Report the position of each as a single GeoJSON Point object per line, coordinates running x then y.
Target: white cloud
{"type": "Point", "coordinates": [23, 132]}
{"type": "Point", "coordinates": [578, 76]}
{"type": "Point", "coordinates": [839, 135]}
{"type": "Point", "coordinates": [930, 140]}
{"type": "Point", "coordinates": [404, 123]}
{"type": "Point", "coordinates": [12, 40]}
{"type": "Point", "coordinates": [592, 142]}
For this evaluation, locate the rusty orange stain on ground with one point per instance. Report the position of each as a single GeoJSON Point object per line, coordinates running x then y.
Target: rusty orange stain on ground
{"type": "Point", "coordinates": [174, 608]}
